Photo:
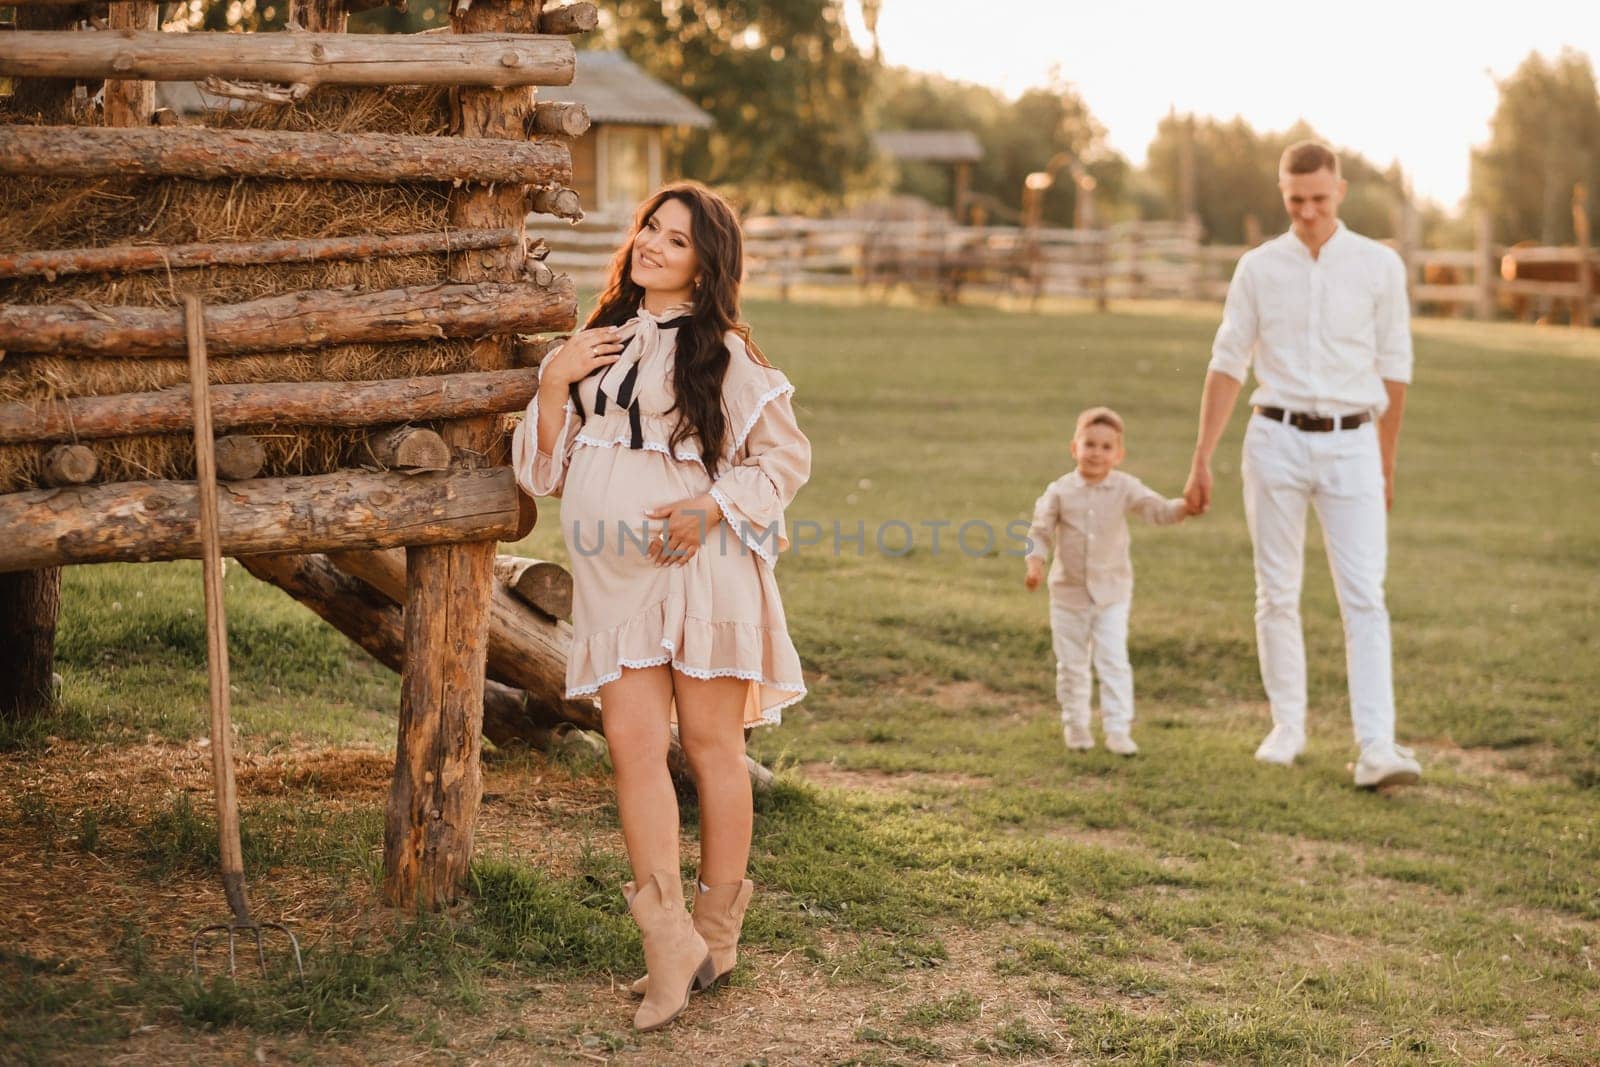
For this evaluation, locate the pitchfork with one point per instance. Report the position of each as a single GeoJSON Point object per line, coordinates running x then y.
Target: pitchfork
{"type": "Point", "coordinates": [217, 667]}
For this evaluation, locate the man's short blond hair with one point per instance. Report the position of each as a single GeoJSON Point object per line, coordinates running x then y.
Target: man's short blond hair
{"type": "Point", "coordinates": [1308, 157]}
{"type": "Point", "coordinates": [1099, 416]}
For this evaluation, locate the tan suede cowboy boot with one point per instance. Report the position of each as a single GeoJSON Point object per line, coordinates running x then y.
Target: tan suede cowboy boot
{"type": "Point", "coordinates": [719, 917]}
{"type": "Point", "coordinates": [673, 949]}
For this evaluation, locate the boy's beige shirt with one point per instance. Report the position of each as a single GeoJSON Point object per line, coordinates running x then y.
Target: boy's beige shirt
{"type": "Point", "coordinates": [1085, 526]}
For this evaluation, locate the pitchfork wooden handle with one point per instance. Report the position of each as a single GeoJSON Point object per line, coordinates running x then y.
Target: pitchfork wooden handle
{"type": "Point", "coordinates": [205, 463]}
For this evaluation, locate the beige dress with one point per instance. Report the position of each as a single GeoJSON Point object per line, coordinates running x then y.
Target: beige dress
{"type": "Point", "coordinates": [719, 615]}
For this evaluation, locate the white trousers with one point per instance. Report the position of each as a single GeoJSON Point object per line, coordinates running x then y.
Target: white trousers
{"type": "Point", "coordinates": [1096, 635]}
{"type": "Point", "coordinates": [1341, 474]}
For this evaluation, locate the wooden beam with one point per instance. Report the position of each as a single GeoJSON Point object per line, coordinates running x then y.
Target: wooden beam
{"type": "Point", "coordinates": [313, 318]}
{"type": "Point", "coordinates": [66, 465]}
{"type": "Point", "coordinates": [557, 118]}
{"type": "Point", "coordinates": [372, 403]}
{"type": "Point", "coordinates": [377, 624]}
{"type": "Point", "coordinates": [310, 59]}
{"type": "Point", "coordinates": [239, 457]}
{"type": "Point", "coordinates": [55, 263]}
{"type": "Point", "coordinates": [558, 201]}
{"type": "Point", "coordinates": [569, 18]}
{"type": "Point", "coordinates": [139, 521]}
{"type": "Point", "coordinates": [411, 448]}
{"type": "Point", "coordinates": [205, 152]}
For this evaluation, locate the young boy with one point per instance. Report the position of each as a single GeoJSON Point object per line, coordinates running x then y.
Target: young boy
{"type": "Point", "coordinates": [1082, 519]}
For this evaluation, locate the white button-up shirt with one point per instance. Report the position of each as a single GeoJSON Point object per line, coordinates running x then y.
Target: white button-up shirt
{"type": "Point", "coordinates": [1325, 332]}
{"type": "Point", "coordinates": [1085, 526]}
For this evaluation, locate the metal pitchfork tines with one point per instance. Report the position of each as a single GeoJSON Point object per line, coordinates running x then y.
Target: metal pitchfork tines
{"type": "Point", "coordinates": [217, 667]}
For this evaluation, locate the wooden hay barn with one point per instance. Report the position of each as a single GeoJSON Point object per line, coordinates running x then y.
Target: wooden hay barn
{"type": "Point", "coordinates": [356, 232]}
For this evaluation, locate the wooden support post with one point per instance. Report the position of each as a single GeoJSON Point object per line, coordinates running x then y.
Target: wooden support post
{"type": "Point", "coordinates": [131, 103]}
{"type": "Point", "coordinates": [296, 320]}
{"type": "Point", "coordinates": [1486, 271]}
{"type": "Point", "coordinates": [1582, 304]}
{"type": "Point", "coordinates": [205, 152]}
{"type": "Point", "coordinates": [30, 601]}
{"type": "Point", "coordinates": [66, 465]}
{"type": "Point", "coordinates": [157, 520]}
{"type": "Point", "coordinates": [50, 97]}
{"type": "Point", "coordinates": [436, 396]}
{"type": "Point", "coordinates": [53, 263]}
{"type": "Point", "coordinates": [432, 811]}
{"type": "Point", "coordinates": [319, 16]}
{"type": "Point", "coordinates": [308, 59]}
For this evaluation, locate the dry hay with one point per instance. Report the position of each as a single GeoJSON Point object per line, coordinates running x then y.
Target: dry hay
{"type": "Point", "coordinates": [47, 213]}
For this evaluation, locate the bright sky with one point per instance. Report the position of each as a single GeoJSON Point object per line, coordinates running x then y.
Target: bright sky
{"type": "Point", "coordinates": [1411, 80]}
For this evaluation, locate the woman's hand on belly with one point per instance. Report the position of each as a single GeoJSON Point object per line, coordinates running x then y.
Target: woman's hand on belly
{"type": "Point", "coordinates": [685, 524]}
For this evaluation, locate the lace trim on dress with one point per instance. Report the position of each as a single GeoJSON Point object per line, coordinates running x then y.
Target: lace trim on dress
{"type": "Point", "coordinates": [750, 423]}
{"type": "Point", "coordinates": [741, 529]}
{"type": "Point", "coordinates": [769, 716]}
{"type": "Point", "coordinates": [647, 446]}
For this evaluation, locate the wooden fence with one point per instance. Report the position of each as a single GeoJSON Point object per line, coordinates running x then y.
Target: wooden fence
{"type": "Point", "coordinates": [1128, 261]}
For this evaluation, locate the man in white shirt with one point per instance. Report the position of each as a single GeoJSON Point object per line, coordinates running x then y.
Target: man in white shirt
{"type": "Point", "coordinates": [1324, 313]}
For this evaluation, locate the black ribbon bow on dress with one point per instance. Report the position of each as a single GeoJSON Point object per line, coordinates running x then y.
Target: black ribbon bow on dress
{"type": "Point", "coordinates": [643, 333]}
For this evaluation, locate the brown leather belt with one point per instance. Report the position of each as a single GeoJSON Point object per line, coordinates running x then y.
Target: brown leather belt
{"type": "Point", "coordinates": [1315, 423]}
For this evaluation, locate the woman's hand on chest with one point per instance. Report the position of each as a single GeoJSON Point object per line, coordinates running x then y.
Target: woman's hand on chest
{"type": "Point", "coordinates": [578, 357]}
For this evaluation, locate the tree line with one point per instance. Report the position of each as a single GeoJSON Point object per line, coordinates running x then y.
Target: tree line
{"type": "Point", "coordinates": [796, 100]}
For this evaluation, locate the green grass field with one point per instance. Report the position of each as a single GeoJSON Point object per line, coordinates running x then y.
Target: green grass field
{"type": "Point", "coordinates": [940, 881]}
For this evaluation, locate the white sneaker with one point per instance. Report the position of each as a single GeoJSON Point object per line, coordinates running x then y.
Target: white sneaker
{"type": "Point", "coordinates": [1382, 765]}
{"type": "Point", "coordinates": [1281, 746]}
{"type": "Point", "coordinates": [1078, 738]}
{"type": "Point", "coordinates": [1121, 743]}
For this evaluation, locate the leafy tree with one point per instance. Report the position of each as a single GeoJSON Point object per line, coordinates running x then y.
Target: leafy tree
{"type": "Point", "coordinates": [789, 90]}
{"type": "Point", "coordinates": [1544, 137]}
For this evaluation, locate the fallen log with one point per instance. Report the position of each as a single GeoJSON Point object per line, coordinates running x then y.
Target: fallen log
{"type": "Point", "coordinates": [438, 396]}
{"type": "Point", "coordinates": [206, 152]}
{"type": "Point", "coordinates": [129, 258]}
{"type": "Point", "coordinates": [498, 60]}
{"type": "Point", "coordinates": [311, 318]}
{"type": "Point", "coordinates": [376, 623]}
{"type": "Point", "coordinates": [544, 586]}
{"type": "Point", "coordinates": [525, 650]}
{"type": "Point", "coordinates": [140, 521]}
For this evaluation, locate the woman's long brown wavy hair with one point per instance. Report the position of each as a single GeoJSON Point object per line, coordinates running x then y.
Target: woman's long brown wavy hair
{"type": "Point", "coordinates": [702, 354]}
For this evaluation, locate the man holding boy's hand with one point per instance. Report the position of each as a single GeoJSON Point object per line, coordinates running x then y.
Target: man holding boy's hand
{"type": "Point", "coordinates": [1324, 314]}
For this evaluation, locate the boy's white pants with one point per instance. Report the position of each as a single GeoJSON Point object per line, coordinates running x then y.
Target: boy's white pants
{"type": "Point", "coordinates": [1095, 635]}
{"type": "Point", "coordinates": [1341, 473]}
